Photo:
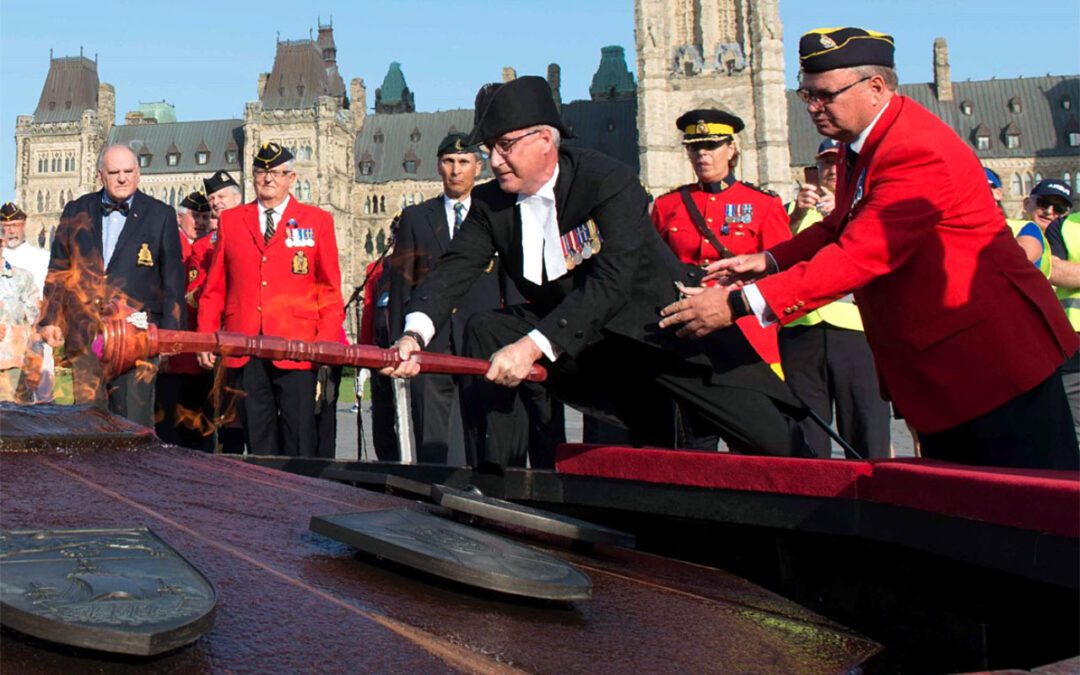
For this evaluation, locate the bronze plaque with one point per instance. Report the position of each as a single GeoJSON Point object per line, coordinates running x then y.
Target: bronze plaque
{"type": "Point", "coordinates": [501, 511]}
{"type": "Point", "coordinates": [457, 552]}
{"type": "Point", "coordinates": [116, 590]}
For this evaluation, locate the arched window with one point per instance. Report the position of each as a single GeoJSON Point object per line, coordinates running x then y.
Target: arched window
{"type": "Point", "coordinates": [308, 153]}
{"type": "Point", "coordinates": [307, 192]}
{"type": "Point", "coordinates": [150, 191]}
{"type": "Point", "coordinates": [48, 198]}
{"type": "Point", "coordinates": [1027, 183]}
{"type": "Point", "coordinates": [172, 197]}
{"type": "Point", "coordinates": [1067, 177]}
{"type": "Point", "coordinates": [71, 196]}
{"type": "Point", "coordinates": [60, 201]}
{"type": "Point", "coordinates": [40, 202]}
{"type": "Point", "coordinates": [1016, 185]}
{"type": "Point", "coordinates": [1038, 179]}
{"type": "Point", "coordinates": [382, 204]}
{"type": "Point", "coordinates": [380, 241]}
{"type": "Point", "coordinates": [367, 205]}
{"type": "Point", "coordinates": [369, 244]}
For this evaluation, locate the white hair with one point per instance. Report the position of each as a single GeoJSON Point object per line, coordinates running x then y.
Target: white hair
{"type": "Point", "coordinates": [107, 148]}
{"type": "Point", "coordinates": [556, 137]}
{"type": "Point", "coordinates": [182, 210]}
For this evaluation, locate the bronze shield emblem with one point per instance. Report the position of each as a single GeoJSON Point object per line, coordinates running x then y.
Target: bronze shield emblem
{"type": "Point", "coordinates": [117, 590]}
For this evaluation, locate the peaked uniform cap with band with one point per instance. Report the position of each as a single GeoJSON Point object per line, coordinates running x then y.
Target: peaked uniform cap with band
{"type": "Point", "coordinates": [455, 143]}
{"type": "Point", "coordinates": [699, 126]}
{"type": "Point", "coordinates": [10, 213]}
{"type": "Point", "coordinates": [196, 201]}
{"type": "Point", "coordinates": [219, 180]}
{"type": "Point", "coordinates": [517, 104]}
{"type": "Point", "coordinates": [825, 49]}
{"type": "Point", "coordinates": [271, 155]}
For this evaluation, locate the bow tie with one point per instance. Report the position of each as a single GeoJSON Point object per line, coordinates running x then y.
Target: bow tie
{"type": "Point", "coordinates": [108, 207]}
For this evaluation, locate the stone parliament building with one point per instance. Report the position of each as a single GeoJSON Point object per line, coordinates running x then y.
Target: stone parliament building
{"type": "Point", "coordinates": [363, 161]}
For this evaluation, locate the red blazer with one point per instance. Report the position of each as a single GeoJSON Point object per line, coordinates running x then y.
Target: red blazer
{"type": "Point", "coordinates": [744, 218]}
{"type": "Point", "coordinates": [290, 287]}
{"type": "Point", "coordinates": [196, 264]}
{"type": "Point", "coordinates": [374, 273]}
{"type": "Point", "coordinates": [958, 319]}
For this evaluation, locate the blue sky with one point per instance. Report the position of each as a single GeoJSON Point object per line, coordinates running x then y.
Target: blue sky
{"type": "Point", "coordinates": [205, 57]}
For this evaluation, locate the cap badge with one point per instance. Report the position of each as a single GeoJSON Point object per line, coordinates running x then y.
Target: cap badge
{"type": "Point", "coordinates": [827, 42]}
{"type": "Point", "coordinates": [457, 144]}
{"type": "Point", "coordinates": [702, 128]}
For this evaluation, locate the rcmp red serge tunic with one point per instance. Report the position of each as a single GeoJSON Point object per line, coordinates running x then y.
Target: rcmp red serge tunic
{"type": "Point", "coordinates": [290, 287]}
{"type": "Point", "coordinates": [744, 218]}
{"type": "Point", "coordinates": [196, 265]}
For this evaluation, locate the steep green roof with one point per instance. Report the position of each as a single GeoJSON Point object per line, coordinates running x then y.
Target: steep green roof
{"type": "Point", "coordinates": [613, 80]}
{"type": "Point", "coordinates": [393, 85]}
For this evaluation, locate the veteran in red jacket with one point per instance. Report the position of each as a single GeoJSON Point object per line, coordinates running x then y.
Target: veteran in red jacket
{"type": "Point", "coordinates": [964, 330]}
{"type": "Point", "coordinates": [275, 272]}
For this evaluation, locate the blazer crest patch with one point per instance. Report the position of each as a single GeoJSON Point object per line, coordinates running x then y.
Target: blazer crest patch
{"type": "Point", "coordinates": [145, 258]}
{"type": "Point", "coordinates": [299, 263]}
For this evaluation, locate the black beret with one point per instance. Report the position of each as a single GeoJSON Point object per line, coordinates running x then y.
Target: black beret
{"type": "Point", "coordinates": [830, 48]}
{"type": "Point", "coordinates": [196, 201]}
{"type": "Point", "coordinates": [699, 126]}
{"type": "Point", "coordinates": [10, 212]}
{"type": "Point", "coordinates": [455, 143]}
{"type": "Point", "coordinates": [524, 102]}
{"type": "Point", "coordinates": [271, 155]}
{"type": "Point", "coordinates": [219, 180]}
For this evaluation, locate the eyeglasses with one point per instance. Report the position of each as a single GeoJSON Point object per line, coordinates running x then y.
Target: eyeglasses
{"type": "Point", "coordinates": [707, 145]}
{"type": "Point", "coordinates": [506, 145]}
{"type": "Point", "coordinates": [811, 97]}
{"type": "Point", "coordinates": [1052, 207]}
{"type": "Point", "coordinates": [261, 174]}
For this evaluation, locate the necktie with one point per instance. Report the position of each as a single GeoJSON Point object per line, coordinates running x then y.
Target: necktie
{"type": "Point", "coordinates": [459, 216]}
{"type": "Point", "coordinates": [852, 157]}
{"type": "Point", "coordinates": [269, 234]}
{"type": "Point", "coordinates": [109, 207]}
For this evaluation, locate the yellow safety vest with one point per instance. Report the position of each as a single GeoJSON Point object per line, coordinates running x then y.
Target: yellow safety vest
{"type": "Point", "coordinates": [841, 313]}
{"type": "Point", "coordinates": [1044, 261]}
{"type": "Point", "coordinates": [1070, 297]}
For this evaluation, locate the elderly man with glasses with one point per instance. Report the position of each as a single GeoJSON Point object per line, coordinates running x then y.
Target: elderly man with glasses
{"type": "Point", "coordinates": [274, 272]}
{"type": "Point", "coordinates": [964, 330]}
{"type": "Point", "coordinates": [572, 230]}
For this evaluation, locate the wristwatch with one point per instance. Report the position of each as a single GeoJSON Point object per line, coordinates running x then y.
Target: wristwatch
{"type": "Point", "coordinates": [739, 306]}
{"type": "Point", "coordinates": [416, 336]}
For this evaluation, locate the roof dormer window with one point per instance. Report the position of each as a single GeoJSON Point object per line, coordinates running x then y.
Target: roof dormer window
{"type": "Point", "coordinates": [966, 108]}
{"type": "Point", "coordinates": [172, 159]}
{"type": "Point", "coordinates": [1014, 105]}
{"type": "Point", "coordinates": [144, 160]}
{"type": "Point", "coordinates": [415, 136]}
{"type": "Point", "coordinates": [378, 138]}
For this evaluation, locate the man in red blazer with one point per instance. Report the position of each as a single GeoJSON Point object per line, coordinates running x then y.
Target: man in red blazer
{"type": "Point", "coordinates": [275, 272]}
{"type": "Point", "coordinates": [964, 330]}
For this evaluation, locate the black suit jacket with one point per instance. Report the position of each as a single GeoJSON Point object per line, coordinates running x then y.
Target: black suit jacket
{"type": "Point", "coordinates": [619, 291]}
{"type": "Point", "coordinates": [423, 237]}
{"type": "Point", "coordinates": [146, 269]}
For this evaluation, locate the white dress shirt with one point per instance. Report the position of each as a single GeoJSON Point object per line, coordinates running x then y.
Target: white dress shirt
{"type": "Point", "coordinates": [754, 298]}
{"type": "Point", "coordinates": [448, 205]}
{"type": "Point", "coordinates": [30, 258]}
{"type": "Point", "coordinates": [278, 210]}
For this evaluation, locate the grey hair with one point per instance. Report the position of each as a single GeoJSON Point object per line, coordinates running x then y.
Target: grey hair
{"type": "Point", "coordinates": [556, 137]}
{"type": "Point", "coordinates": [289, 164]}
{"type": "Point", "coordinates": [888, 74]}
{"type": "Point", "coordinates": [107, 148]}
{"type": "Point", "coordinates": [182, 210]}
{"type": "Point", "coordinates": [232, 188]}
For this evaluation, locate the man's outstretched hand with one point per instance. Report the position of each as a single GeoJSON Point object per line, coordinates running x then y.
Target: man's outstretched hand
{"type": "Point", "coordinates": [701, 310]}
{"type": "Point", "coordinates": [744, 268]}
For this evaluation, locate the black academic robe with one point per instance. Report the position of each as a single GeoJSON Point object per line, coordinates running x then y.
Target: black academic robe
{"type": "Point", "coordinates": [618, 291]}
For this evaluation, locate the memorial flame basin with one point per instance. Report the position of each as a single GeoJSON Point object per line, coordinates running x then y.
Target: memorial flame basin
{"type": "Point", "coordinates": [290, 600]}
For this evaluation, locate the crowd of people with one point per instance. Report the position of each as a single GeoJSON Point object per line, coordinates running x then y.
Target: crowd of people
{"type": "Point", "coordinates": [714, 312]}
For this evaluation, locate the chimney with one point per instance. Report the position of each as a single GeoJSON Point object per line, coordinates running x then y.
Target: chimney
{"type": "Point", "coordinates": [942, 77]}
{"type": "Point", "coordinates": [358, 93]}
{"type": "Point", "coordinates": [554, 78]}
{"type": "Point", "coordinates": [135, 117]}
{"type": "Point", "coordinates": [106, 106]}
{"type": "Point", "coordinates": [263, 77]}
{"type": "Point", "coordinates": [508, 74]}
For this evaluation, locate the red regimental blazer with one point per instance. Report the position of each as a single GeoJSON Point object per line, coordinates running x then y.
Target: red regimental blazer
{"type": "Point", "coordinates": [959, 321]}
{"type": "Point", "coordinates": [290, 287]}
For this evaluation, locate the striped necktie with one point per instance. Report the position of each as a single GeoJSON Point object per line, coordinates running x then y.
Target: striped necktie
{"type": "Point", "coordinates": [459, 216]}
{"type": "Point", "coordinates": [269, 234]}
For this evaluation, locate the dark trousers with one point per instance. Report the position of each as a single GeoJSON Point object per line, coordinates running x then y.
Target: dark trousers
{"type": "Point", "coordinates": [636, 383]}
{"type": "Point", "coordinates": [186, 413]}
{"type": "Point", "coordinates": [1032, 431]}
{"type": "Point", "coordinates": [130, 395]}
{"type": "Point", "coordinates": [831, 367]}
{"type": "Point", "coordinates": [278, 409]}
{"type": "Point", "coordinates": [383, 436]}
{"type": "Point", "coordinates": [329, 380]}
{"type": "Point", "coordinates": [436, 415]}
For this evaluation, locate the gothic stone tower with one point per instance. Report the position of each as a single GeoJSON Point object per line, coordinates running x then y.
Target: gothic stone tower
{"type": "Point", "coordinates": [57, 146]}
{"type": "Point", "coordinates": [711, 53]}
{"type": "Point", "coordinates": [303, 106]}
